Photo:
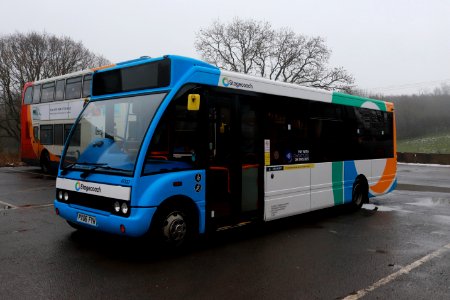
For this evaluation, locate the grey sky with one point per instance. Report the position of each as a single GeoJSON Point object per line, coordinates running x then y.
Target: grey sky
{"type": "Point", "coordinates": [390, 46]}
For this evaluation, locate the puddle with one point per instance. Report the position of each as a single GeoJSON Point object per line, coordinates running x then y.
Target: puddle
{"type": "Point", "coordinates": [430, 201]}
{"type": "Point", "coordinates": [383, 208]}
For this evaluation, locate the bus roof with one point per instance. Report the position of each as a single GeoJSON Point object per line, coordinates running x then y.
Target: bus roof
{"type": "Point", "coordinates": [68, 75]}
{"type": "Point", "coordinates": [73, 74]}
{"type": "Point", "coordinates": [191, 70]}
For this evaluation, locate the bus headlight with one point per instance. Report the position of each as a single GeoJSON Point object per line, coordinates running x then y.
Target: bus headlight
{"type": "Point", "coordinates": [66, 196]}
{"type": "Point", "coordinates": [116, 206]}
{"type": "Point", "coordinates": [124, 208]}
{"type": "Point", "coordinates": [60, 195]}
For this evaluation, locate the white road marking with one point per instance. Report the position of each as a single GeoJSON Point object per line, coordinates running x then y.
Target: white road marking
{"type": "Point", "coordinates": [423, 165]}
{"type": "Point", "coordinates": [7, 204]}
{"type": "Point", "coordinates": [405, 270]}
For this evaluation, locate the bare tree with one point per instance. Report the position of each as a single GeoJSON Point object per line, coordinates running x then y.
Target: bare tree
{"type": "Point", "coordinates": [254, 47]}
{"type": "Point", "coordinates": [31, 57]}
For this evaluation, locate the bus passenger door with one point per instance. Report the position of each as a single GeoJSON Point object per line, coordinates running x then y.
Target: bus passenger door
{"type": "Point", "coordinates": [233, 169]}
{"type": "Point", "coordinates": [222, 200]}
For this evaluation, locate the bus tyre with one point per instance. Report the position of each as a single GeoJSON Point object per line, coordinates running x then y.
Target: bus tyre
{"type": "Point", "coordinates": [174, 226]}
{"type": "Point", "coordinates": [45, 162]}
{"type": "Point", "coordinates": [359, 195]}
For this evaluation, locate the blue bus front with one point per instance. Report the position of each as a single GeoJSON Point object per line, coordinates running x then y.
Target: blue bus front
{"type": "Point", "coordinates": [117, 175]}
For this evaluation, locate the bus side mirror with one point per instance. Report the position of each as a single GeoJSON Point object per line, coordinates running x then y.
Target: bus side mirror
{"type": "Point", "coordinates": [193, 102]}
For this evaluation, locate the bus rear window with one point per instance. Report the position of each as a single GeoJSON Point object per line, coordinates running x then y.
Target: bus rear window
{"type": "Point", "coordinates": [144, 76]}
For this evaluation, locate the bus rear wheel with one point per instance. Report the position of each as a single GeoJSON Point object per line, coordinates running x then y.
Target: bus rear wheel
{"type": "Point", "coordinates": [360, 194]}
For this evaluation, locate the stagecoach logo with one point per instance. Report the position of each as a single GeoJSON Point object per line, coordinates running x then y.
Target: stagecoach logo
{"type": "Point", "coordinates": [80, 186]}
{"type": "Point", "coordinates": [227, 82]}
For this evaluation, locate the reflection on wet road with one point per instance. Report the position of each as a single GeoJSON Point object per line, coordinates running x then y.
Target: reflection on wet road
{"type": "Point", "coordinates": [399, 240]}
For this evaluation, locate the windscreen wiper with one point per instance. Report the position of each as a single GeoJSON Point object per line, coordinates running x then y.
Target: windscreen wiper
{"type": "Point", "coordinates": [93, 165]}
{"type": "Point", "coordinates": [106, 167]}
{"type": "Point", "coordinates": [103, 167]}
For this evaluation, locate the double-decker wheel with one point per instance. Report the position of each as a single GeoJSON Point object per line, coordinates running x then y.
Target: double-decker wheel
{"type": "Point", "coordinates": [45, 162]}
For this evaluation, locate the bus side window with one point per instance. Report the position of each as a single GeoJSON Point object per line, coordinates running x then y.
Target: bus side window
{"type": "Point", "coordinates": [59, 93]}
{"type": "Point", "coordinates": [36, 132]}
{"type": "Point", "coordinates": [36, 93]}
{"type": "Point", "coordinates": [28, 98]}
{"type": "Point", "coordinates": [87, 85]}
{"type": "Point", "coordinates": [46, 134]}
{"type": "Point", "coordinates": [175, 143]}
{"type": "Point", "coordinates": [58, 137]}
{"type": "Point", "coordinates": [73, 87]}
{"type": "Point", "coordinates": [48, 92]}
{"type": "Point", "coordinates": [75, 141]}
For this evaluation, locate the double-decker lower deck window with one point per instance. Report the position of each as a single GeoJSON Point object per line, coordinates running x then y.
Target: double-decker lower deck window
{"type": "Point", "coordinates": [46, 134]}
{"type": "Point", "coordinates": [76, 138]}
{"type": "Point", "coordinates": [58, 134]}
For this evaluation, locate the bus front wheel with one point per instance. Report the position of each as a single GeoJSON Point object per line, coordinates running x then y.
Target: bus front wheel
{"type": "Point", "coordinates": [174, 226]}
{"type": "Point", "coordinates": [45, 162]}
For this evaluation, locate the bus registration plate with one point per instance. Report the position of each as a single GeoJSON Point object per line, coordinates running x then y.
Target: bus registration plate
{"type": "Point", "coordinates": [86, 219]}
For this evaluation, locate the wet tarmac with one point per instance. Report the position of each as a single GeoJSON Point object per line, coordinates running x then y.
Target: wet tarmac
{"type": "Point", "coordinates": [395, 247]}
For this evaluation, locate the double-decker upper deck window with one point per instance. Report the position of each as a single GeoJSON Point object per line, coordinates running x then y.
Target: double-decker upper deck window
{"type": "Point", "coordinates": [73, 88]}
{"type": "Point", "coordinates": [144, 76]}
{"type": "Point", "coordinates": [48, 91]}
{"type": "Point", "coordinates": [28, 95]}
{"type": "Point", "coordinates": [59, 93]}
{"type": "Point", "coordinates": [36, 93]}
{"type": "Point", "coordinates": [87, 85]}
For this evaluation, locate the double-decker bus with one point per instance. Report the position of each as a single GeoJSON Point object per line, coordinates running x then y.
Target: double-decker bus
{"type": "Point", "coordinates": [49, 109]}
{"type": "Point", "coordinates": [174, 146]}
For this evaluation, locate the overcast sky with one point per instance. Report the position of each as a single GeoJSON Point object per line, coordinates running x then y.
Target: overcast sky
{"type": "Point", "coordinates": [390, 46]}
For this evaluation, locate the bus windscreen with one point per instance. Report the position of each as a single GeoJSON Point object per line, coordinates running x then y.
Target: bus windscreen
{"type": "Point", "coordinates": [139, 77]}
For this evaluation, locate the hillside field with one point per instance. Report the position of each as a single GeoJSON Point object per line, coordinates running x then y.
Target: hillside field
{"type": "Point", "coordinates": [437, 143]}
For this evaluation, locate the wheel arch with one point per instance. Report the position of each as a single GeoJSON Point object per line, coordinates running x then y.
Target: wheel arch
{"type": "Point", "coordinates": [179, 201]}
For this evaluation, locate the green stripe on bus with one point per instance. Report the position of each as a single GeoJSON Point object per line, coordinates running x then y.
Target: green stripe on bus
{"type": "Point", "coordinates": [340, 98]}
{"type": "Point", "coordinates": [338, 183]}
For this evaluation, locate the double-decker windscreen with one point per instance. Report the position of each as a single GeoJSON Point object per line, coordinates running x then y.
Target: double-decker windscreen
{"type": "Point", "coordinates": [140, 77]}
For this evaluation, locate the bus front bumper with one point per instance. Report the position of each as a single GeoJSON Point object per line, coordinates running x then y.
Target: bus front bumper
{"type": "Point", "coordinates": [137, 224]}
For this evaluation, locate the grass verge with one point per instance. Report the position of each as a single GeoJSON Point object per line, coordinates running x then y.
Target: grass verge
{"type": "Point", "coordinates": [436, 144]}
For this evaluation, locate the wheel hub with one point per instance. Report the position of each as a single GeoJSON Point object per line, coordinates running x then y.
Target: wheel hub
{"type": "Point", "coordinates": [175, 227]}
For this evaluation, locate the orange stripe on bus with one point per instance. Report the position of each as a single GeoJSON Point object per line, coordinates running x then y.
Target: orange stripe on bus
{"type": "Point", "coordinates": [387, 178]}
{"type": "Point", "coordinates": [103, 67]}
